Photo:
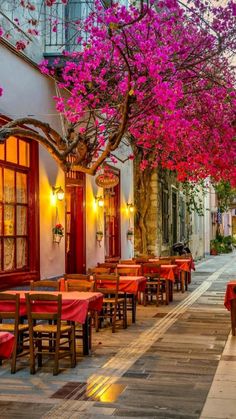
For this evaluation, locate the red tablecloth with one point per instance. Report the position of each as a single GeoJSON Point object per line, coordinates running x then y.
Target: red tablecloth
{"type": "Point", "coordinates": [6, 344]}
{"type": "Point", "coordinates": [166, 271]}
{"type": "Point", "coordinates": [75, 305]}
{"type": "Point", "coordinates": [230, 294]}
{"type": "Point", "coordinates": [184, 264]}
{"type": "Point", "coordinates": [129, 284]}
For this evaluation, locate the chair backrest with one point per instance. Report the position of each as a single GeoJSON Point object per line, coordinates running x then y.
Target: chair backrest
{"type": "Point", "coordinates": [10, 308]}
{"type": "Point", "coordinates": [151, 268]}
{"type": "Point", "coordinates": [44, 284]}
{"type": "Point", "coordinates": [107, 284]}
{"type": "Point", "coordinates": [83, 277]}
{"type": "Point", "coordinates": [81, 285]}
{"type": "Point", "coordinates": [109, 265]}
{"type": "Point", "coordinates": [112, 260]}
{"type": "Point", "coordinates": [164, 261]}
{"type": "Point", "coordinates": [141, 260]}
{"type": "Point", "coordinates": [126, 262]}
{"type": "Point", "coordinates": [99, 270]}
{"type": "Point", "coordinates": [43, 307]}
{"type": "Point", "coordinates": [129, 271]}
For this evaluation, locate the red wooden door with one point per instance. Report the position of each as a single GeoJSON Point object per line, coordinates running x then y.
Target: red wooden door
{"type": "Point", "coordinates": [112, 221]}
{"type": "Point", "coordinates": [75, 229]}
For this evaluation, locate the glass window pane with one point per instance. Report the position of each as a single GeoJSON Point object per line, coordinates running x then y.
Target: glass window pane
{"type": "Point", "coordinates": [23, 153]}
{"type": "Point", "coordinates": [2, 151]}
{"type": "Point", "coordinates": [21, 253]}
{"type": "Point", "coordinates": [21, 220]}
{"type": "Point", "coordinates": [9, 253]}
{"type": "Point", "coordinates": [11, 149]}
{"type": "Point", "coordinates": [9, 185]}
{"type": "Point", "coordinates": [9, 220]}
{"type": "Point", "coordinates": [21, 188]}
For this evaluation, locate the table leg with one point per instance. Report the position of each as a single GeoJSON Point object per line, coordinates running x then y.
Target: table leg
{"type": "Point", "coordinates": [133, 308]}
{"type": "Point", "coordinates": [170, 291]}
{"type": "Point", "coordinates": [233, 316]}
{"type": "Point", "coordinates": [182, 280]}
{"type": "Point", "coordinates": [86, 337]}
{"type": "Point", "coordinates": [167, 291]}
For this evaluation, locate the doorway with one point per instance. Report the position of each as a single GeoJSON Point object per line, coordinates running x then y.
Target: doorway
{"type": "Point", "coordinates": [174, 216]}
{"type": "Point", "coordinates": [75, 225]}
{"type": "Point", "coordinates": [112, 221]}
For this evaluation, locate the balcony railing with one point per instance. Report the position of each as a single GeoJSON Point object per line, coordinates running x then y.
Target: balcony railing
{"type": "Point", "coordinates": [61, 32]}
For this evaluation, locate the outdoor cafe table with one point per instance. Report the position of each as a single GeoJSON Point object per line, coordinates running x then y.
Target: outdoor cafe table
{"type": "Point", "coordinates": [230, 303]}
{"type": "Point", "coordinates": [6, 344]}
{"type": "Point", "coordinates": [75, 307]}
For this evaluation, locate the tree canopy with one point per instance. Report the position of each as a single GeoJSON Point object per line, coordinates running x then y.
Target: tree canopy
{"type": "Point", "coordinates": [159, 74]}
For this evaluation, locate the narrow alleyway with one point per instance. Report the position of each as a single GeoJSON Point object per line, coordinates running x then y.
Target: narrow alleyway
{"type": "Point", "coordinates": [161, 367]}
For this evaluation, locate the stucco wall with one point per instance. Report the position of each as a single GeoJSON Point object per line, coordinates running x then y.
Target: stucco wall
{"type": "Point", "coordinates": [28, 92]}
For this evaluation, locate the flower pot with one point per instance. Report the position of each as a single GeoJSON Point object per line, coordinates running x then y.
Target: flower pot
{"type": "Point", "coordinates": [129, 236]}
{"type": "Point", "coordinates": [57, 238]}
{"type": "Point", "coordinates": [99, 237]}
{"type": "Point", "coordinates": [213, 252]}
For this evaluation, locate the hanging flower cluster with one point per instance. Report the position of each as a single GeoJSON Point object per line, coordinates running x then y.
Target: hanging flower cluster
{"type": "Point", "coordinates": [58, 229]}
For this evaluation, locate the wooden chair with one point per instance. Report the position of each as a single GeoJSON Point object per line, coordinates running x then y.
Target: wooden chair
{"type": "Point", "coordinates": [109, 265]}
{"type": "Point", "coordinates": [79, 285]}
{"type": "Point", "coordinates": [156, 286]}
{"type": "Point", "coordinates": [45, 338]}
{"type": "Point", "coordinates": [44, 285]}
{"type": "Point", "coordinates": [83, 277]}
{"type": "Point", "coordinates": [85, 286]}
{"type": "Point", "coordinates": [129, 271]}
{"type": "Point", "coordinates": [114, 307]}
{"type": "Point", "coordinates": [12, 314]}
{"type": "Point", "coordinates": [131, 301]}
{"type": "Point", "coordinates": [153, 285]}
{"type": "Point", "coordinates": [126, 262]}
{"type": "Point", "coordinates": [99, 270]}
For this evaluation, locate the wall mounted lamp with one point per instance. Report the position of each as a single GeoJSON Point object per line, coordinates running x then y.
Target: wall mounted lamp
{"type": "Point", "coordinates": [130, 207]}
{"type": "Point", "coordinates": [100, 201]}
{"type": "Point", "coordinates": [59, 192]}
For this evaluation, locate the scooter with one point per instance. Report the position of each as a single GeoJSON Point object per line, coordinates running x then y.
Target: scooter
{"type": "Point", "coordinates": [181, 248]}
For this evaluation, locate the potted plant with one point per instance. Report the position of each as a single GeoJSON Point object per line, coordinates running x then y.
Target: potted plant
{"type": "Point", "coordinates": [99, 236]}
{"type": "Point", "coordinates": [58, 233]}
{"type": "Point", "coordinates": [130, 234]}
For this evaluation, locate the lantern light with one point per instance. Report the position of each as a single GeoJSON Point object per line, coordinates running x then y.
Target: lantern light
{"type": "Point", "coordinates": [59, 192]}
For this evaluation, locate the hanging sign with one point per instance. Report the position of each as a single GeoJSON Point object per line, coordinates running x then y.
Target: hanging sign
{"type": "Point", "coordinates": [107, 180]}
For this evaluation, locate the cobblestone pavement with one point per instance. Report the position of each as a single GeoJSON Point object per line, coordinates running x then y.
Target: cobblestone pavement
{"type": "Point", "coordinates": [161, 367]}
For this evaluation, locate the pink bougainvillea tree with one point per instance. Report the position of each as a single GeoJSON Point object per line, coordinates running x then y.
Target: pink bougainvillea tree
{"type": "Point", "coordinates": [158, 74]}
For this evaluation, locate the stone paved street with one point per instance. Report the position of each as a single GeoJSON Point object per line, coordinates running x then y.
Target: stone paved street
{"type": "Point", "coordinates": [161, 367]}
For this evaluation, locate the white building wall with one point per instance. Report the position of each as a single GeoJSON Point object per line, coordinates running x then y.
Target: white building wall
{"type": "Point", "coordinates": [28, 93]}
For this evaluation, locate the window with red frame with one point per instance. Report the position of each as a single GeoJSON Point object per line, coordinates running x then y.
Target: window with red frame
{"type": "Point", "coordinates": [18, 212]}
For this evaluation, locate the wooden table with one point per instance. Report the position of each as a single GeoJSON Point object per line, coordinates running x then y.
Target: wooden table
{"type": "Point", "coordinates": [7, 341]}
{"type": "Point", "coordinates": [75, 307]}
{"type": "Point", "coordinates": [230, 303]}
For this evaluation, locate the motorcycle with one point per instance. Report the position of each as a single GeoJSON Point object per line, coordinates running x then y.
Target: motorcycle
{"type": "Point", "coordinates": [181, 248]}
